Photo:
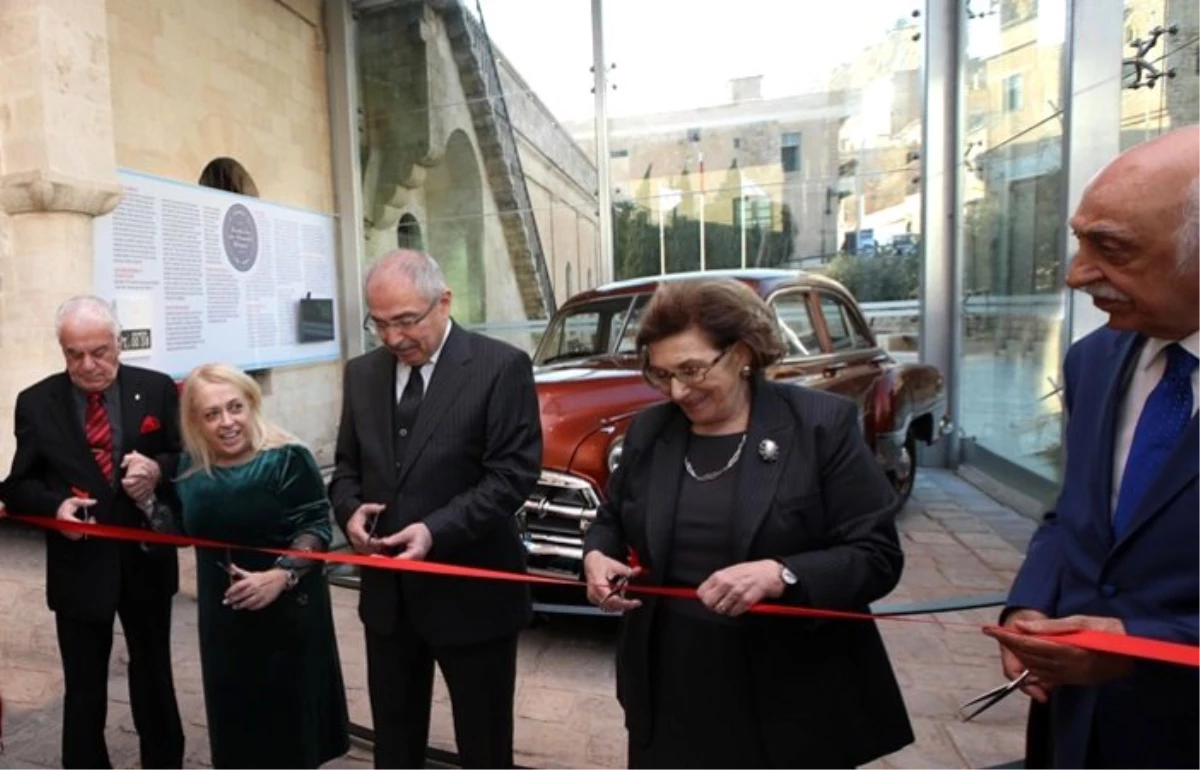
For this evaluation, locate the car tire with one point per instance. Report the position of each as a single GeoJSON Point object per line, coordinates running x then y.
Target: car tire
{"type": "Point", "coordinates": [902, 484]}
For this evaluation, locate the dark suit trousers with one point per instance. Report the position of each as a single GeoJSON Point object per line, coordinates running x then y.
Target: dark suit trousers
{"type": "Point", "coordinates": [85, 647]}
{"type": "Point", "coordinates": [481, 679]}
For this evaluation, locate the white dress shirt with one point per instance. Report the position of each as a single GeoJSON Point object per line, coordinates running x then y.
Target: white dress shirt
{"type": "Point", "coordinates": [1151, 364]}
{"type": "Point", "coordinates": [403, 369]}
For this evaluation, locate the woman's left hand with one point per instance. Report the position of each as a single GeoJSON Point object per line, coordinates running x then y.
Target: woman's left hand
{"type": "Point", "coordinates": [733, 590]}
{"type": "Point", "coordinates": [254, 590]}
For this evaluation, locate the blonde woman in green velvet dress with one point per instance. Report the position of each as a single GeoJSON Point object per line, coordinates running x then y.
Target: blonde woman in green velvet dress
{"type": "Point", "coordinates": [268, 654]}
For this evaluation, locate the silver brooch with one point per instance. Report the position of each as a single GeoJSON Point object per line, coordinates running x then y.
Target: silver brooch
{"type": "Point", "coordinates": [768, 450]}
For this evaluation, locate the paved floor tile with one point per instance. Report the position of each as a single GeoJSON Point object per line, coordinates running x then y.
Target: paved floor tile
{"type": "Point", "coordinates": [957, 542]}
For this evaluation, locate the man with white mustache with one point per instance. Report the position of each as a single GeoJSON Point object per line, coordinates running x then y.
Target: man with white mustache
{"type": "Point", "coordinates": [1119, 551]}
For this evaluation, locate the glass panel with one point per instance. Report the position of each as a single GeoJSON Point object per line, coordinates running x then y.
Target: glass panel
{"type": "Point", "coordinates": [583, 331]}
{"type": "Point", "coordinates": [628, 342]}
{"type": "Point", "coordinates": [786, 144]}
{"type": "Point", "coordinates": [796, 324]}
{"type": "Point", "coordinates": [464, 151]}
{"type": "Point", "coordinates": [1159, 85]}
{"type": "Point", "coordinates": [1013, 220]}
{"type": "Point", "coordinates": [840, 324]}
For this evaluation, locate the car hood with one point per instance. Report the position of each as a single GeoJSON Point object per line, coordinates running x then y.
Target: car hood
{"type": "Point", "coordinates": [577, 401]}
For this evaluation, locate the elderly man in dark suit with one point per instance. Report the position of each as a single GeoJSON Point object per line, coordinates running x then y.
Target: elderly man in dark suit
{"type": "Point", "coordinates": [97, 441]}
{"type": "Point", "coordinates": [439, 444]}
{"type": "Point", "coordinates": [1119, 552]}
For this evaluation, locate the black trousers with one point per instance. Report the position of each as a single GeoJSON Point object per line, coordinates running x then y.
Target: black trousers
{"type": "Point", "coordinates": [481, 679]}
{"type": "Point", "coordinates": [85, 647]}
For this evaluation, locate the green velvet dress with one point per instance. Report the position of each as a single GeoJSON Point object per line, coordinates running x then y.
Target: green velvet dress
{"type": "Point", "coordinates": [272, 679]}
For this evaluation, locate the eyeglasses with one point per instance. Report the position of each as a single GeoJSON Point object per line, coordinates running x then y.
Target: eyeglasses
{"type": "Point", "coordinates": [402, 323]}
{"type": "Point", "coordinates": [690, 375]}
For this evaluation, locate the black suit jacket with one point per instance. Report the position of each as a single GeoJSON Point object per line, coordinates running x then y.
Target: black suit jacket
{"type": "Point", "coordinates": [473, 457]}
{"type": "Point", "coordinates": [83, 577]}
{"type": "Point", "coordinates": [825, 691]}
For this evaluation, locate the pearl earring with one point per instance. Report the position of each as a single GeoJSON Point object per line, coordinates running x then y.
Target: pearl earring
{"type": "Point", "coordinates": [746, 372]}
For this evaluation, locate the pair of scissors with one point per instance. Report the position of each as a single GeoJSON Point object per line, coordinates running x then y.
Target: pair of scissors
{"type": "Point", "coordinates": [993, 696]}
{"type": "Point", "coordinates": [617, 588]}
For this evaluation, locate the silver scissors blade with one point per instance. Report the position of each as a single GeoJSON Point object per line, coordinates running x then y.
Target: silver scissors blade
{"type": "Point", "coordinates": [993, 696]}
{"type": "Point", "coordinates": [618, 586]}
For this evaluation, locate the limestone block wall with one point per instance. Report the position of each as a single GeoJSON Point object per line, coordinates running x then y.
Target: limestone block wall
{"type": "Point", "coordinates": [56, 173]}
{"type": "Point", "coordinates": [193, 81]}
{"type": "Point", "coordinates": [562, 182]}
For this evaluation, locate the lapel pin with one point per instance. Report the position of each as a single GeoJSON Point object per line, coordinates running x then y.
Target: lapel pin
{"type": "Point", "coordinates": [137, 396]}
{"type": "Point", "coordinates": [768, 450]}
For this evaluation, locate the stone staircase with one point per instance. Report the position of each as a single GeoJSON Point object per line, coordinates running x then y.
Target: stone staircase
{"type": "Point", "coordinates": [480, 79]}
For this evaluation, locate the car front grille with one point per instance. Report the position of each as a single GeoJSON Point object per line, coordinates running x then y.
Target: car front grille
{"type": "Point", "coordinates": [553, 521]}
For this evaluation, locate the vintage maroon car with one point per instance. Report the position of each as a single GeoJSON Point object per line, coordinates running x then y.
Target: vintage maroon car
{"type": "Point", "coordinates": [590, 385]}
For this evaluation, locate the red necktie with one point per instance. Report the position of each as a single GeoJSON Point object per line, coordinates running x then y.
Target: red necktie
{"type": "Point", "coordinates": [99, 434]}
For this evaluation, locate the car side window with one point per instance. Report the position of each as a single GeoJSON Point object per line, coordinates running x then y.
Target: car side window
{"type": "Point", "coordinates": [796, 323]}
{"type": "Point", "coordinates": [627, 345]}
{"type": "Point", "coordinates": [839, 321]}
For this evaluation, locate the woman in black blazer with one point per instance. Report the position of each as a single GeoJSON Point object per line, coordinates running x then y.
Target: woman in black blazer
{"type": "Point", "coordinates": [753, 491]}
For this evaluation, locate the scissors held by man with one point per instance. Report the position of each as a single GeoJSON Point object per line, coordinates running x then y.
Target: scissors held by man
{"type": "Point", "coordinates": [993, 696]}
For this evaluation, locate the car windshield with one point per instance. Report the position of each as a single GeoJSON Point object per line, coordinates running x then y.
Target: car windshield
{"type": "Point", "coordinates": [596, 328]}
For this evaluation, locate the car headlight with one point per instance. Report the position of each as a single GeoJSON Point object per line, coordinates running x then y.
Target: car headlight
{"type": "Point", "coordinates": [614, 453]}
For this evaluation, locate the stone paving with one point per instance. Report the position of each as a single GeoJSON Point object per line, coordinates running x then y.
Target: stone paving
{"type": "Point", "coordinates": [958, 542]}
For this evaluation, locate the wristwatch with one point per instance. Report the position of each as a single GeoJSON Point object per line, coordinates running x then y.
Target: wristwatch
{"type": "Point", "coordinates": [293, 577]}
{"type": "Point", "coordinates": [786, 575]}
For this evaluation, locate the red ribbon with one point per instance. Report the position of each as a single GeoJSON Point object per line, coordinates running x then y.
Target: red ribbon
{"type": "Point", "coordinates": [1099, 641]}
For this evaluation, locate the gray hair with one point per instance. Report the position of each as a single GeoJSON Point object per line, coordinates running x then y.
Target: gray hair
{"type": "Point", "coordinates": [86, 306]}
{"type": "Point", "coordinates": [416, 266]}
{"type": "Point", "coordinates": [1188, 235]}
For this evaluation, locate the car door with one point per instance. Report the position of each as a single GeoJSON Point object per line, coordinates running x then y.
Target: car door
{"type": "Point", "coordinates": [853, 361]}
{"type": "Point", "coordinates": [802, 363]}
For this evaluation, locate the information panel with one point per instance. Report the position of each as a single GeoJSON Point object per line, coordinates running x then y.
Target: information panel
{"type": "Point", "coordinates": [199, 275]}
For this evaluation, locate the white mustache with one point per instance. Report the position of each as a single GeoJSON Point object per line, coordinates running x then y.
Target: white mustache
{"type": "Point", "coordinates": [1105, 290]}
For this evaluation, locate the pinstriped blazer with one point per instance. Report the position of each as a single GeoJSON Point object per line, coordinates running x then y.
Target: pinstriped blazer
{"type": "Point", "coordinates": [473, 457]}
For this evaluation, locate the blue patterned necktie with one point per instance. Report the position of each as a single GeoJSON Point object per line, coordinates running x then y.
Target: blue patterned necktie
{"type": "Point", "coordinates": [1164, 418]}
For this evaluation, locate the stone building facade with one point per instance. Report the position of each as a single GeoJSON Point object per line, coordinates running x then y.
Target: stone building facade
{"type": "Point", "coordinates": [164, 87]}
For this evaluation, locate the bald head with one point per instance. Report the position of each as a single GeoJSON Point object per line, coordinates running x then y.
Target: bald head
{"type": "Point", "coordinates": [1161, 180]}
{"type": "Point", "coordinates": [408, 304]}
{"type": "Point", "coordinates": [417, 267]}
{"type": "Point", "coordinates": [1137, 230]}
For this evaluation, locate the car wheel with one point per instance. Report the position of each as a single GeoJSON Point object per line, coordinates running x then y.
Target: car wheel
{"type": "Point", "coordinates": [904, 474]}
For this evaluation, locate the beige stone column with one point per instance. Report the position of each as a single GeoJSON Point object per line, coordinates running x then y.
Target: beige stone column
{"type": "Point", "coordinates": [57, 172]}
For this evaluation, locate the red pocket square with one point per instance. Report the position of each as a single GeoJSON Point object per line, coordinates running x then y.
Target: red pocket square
{"type": "Point", "coordinates": [150, 424]}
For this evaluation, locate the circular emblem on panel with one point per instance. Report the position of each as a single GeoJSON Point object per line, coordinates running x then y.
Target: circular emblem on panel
{"type": "Point", "coordinates": [239, 236]}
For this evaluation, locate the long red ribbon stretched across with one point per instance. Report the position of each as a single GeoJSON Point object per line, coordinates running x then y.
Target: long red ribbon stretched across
{"type": "Point", "coordinates": [1132, 646]}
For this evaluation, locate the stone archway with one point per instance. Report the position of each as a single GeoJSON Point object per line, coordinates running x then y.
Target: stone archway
{"type": "Point", "coordinates": [408, 233]}
{"type": "Point", "coordinates": [454, 226]}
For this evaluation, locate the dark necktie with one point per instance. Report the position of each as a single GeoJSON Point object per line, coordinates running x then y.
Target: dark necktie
{"type": "Point", "coordinates": [99, 434]}
{"type": "Point", "coordinates": [1160, 427]}
{"type": "Point", "coordinates": [406, 411]}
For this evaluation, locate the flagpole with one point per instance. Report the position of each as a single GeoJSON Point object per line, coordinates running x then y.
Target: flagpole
{"type": "Point", "coordinates": [742, 212]}
{"type": "Point", "coordinates": [702, 212]}
{"type": "Point", "coordinates": [662, 240]}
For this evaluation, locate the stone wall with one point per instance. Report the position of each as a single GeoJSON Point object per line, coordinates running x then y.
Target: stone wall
{"type": "Point", "coordinates": [245, 79]}
{"type": "Point", "coordinates": [562, 183]}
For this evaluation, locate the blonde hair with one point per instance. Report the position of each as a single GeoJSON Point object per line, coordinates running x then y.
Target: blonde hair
{"type": "Point", "coordinates": [263, 433]}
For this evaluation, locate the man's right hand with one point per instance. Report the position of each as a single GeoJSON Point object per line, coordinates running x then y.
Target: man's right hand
{"type": "Point", "coordinates": [360, 527]}
{"type": "Point", "coordinates": [68, 510]}
{"type": "Point", "coordinates": [1012, 665]}
{"type": "Point", "coordinates": [602, 574]}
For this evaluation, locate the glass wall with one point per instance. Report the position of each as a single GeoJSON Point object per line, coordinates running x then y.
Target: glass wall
{"type": "Point", "coordinates": [1159, 86]}
{"type": "Point", "coordinates": [1013, 220]}
{"type": "Point", "coordinates": [464, 152]}
{"type": "Point", "coordinates": [784, 144]}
